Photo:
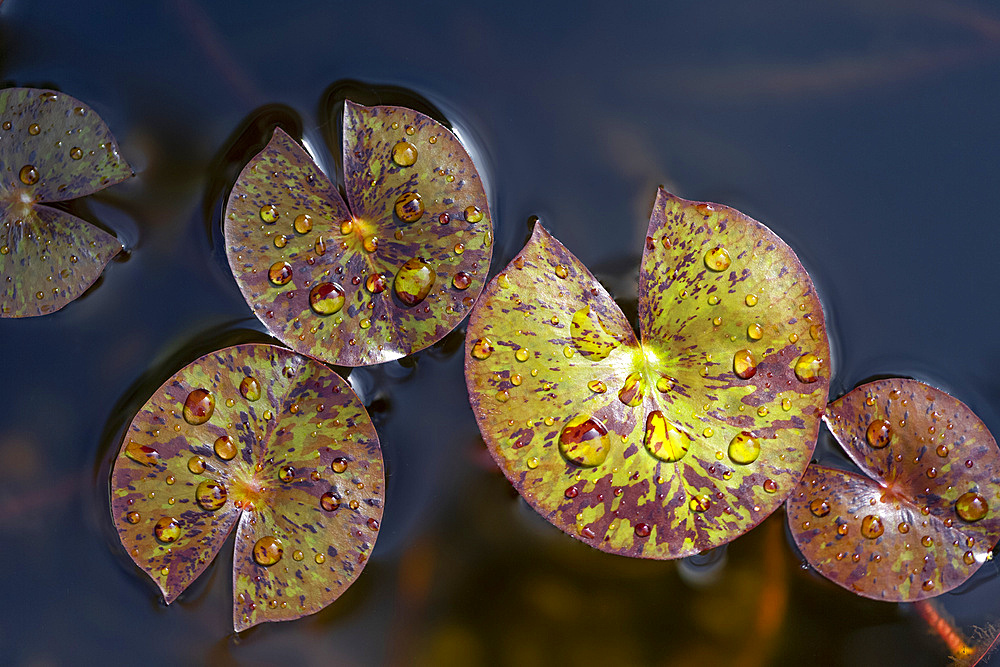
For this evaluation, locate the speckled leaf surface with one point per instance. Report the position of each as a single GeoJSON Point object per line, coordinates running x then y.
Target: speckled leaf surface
{"type": "Point", "coordinates": [923, 516]}
{"type": "Point", "coordinates": [657, 448]}
{"type": "Point", "coordinates": [387, 273]}
{"type": "Point", "coordinates": [262, 438]}
{"type": "Point", "coordinates": [52, 148]}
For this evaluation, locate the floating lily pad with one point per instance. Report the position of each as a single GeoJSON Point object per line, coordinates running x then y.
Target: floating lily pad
{"type": "Point", "coordinates": [926, 512]}
{"type": "Point", "coordinates": [52, 148]}
{"type": "Point", "coordinates": [387, 273]}
{"type": "Point", "coordinates": [257, 437]}
{"type": "Point", "coordinates": [675, 444]}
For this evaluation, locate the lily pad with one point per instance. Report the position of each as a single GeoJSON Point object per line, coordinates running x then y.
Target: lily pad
{"type": "Point", "coordinates": [52, 148]}
{"type": "Point", "coordinates": [667, 446]}
{"type": "Point", "coordinates": [386, 273]}
{"type": "Point", "coordinates": [925, 513]}
{"type": "Point", "coordinates": [261, 438]}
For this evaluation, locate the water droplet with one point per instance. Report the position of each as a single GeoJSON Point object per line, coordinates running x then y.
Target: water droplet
{"type": "Point", "coordinates": [280, 273]}
{"type": "Point", "coordinates": [808, 367]}
{"type": "Point", "coordinates": [329, 502]}
{"type": "Point", "coordinates": [786, 404]}
{"type": "Point", "coordinates": [6, 125]}
{"type": "Point", "coordinates": [663, 439]}
{"type": "Point", "coordinates": [461, 280]}
{"type": "Point", "coordinates": [409, 207]}
{"type": "Point", "coordinates": [871, 526]}
{"type": "Point", "coordinates": [327, 298]}
{"type": "Point", "coordinates": [642, 530]}
{"type": "Point", "coordinates": [942, 450]}
{"type": "Point", "coordinates": [879, 433]}
{"type": "Point", "coordinates": [633, 390]}
{"type": "Point", "coordinates": [320, 246]}
{"type": "Point", "coordinates": [303, 223]}
{"type": "Point", "coordinates": [268, 550]}
{"type": "Point", "coordinates": [76, 153]}
{"type": "Point", "coordinates": [280, 241]}
{"type": "Point", "coordinates": [269, 214]}
{"type": "Point", "coordinates": [762, 411]}
{"type": "Point", "coordinates": [414, 282]}
{"type": "Point", "coordinates": [142, 454]}
{"type": "Point", "coordinates": [199, 407]}
{"type": "Point", "coordinates": [211, 495]}
{"type": "Point", "coordinates": [969, 558]}
{"type": "Point", "coordinates": [665, 383]}
{"type": "Point", "coordinates": [522, 354]}
{"type": "Point", "coordinates": [482, 348]}
{"type": "Point", "coordinates": [375, 283]}
{"type": "Point", "coordinates": [404, 154]}
{"type": "Point", "coordinates": [751, 300]}
{"type": "Point", "coordinates": [744, 364]}
{"type": "Point", "coordinates": [167, 530]}
{"type": "Point", "coordinates": [717, 258]}
{"type": "Point", "coordinates": [903, 528]}
{"type": "Point", "coordinates": [338, 465]}
{"type": "Point", "coordinates": [320, 559]}
{"type": "Point", "coordinates": [744, 448]}
{"type": "Point", "coordinates": [842, 529]}
{"type": "Point", "coordinates": [34, 129]}
{"type": "Point", "coordinates": [699, 503]}
{"type": "Point", "coordinates": [473, 214]}
{"type": "Point", "coordinates": [597, 386]}
{"type": "Point", "coordinates": [286, 474]}
{"type": "Point", "coordinates": [584, 441]}
{"type": "Point", "coordinates": [133, 517]}
{"type": "Point", "coordinates": [224, 448]}
{"type": "Point", "coordinates": [755, 331]}
{"type": "Point", "coordinates": [28, 175]}
{"type": "Point", "coordinates": [196, 464]}
{"type": "Point", "coordinates": [927, 541]}
{"type": "Point", "coordinates": [819, 507]}
{"type": "Point", "coordinates": [928, 585]}
{"type": "Point", "coordinates": [250, 388]}
{"type": "Point", "coordinates": [770, 486]}
{"type": "Point", "coordinates": [971, 506]}
{"type": "Point", "coordinates": [370, 244]}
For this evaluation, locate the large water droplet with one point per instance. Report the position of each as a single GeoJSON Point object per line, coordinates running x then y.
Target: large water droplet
{"type": "Point", "coordinates": [224, 447]}
{"type": "Point", "coordinates": [717, 258]}
{"type": "Point", "coordinates": [409, 207]}
{"type": "Point", "coordinates": [871, 526]}
{"type": "Point", "coordinates": [167, 530]}
{"type": "Point", "coordinates": [414, 282]}
{"type": "Point", "coordinates": [303, 223]}
{"type": "Point", "coordinates": [269, 214]}
{"type": "Point", "coordinates": [473, 214]}
{"type": "Point", "coordinates": [663, 439]}
{"type": "Point", "coordinates": [142, 454]}
{"type": "Point", "coordinates": [327, 298]}
{"type": "Point", "coordinates": [404, 154]}
{"type": "Point", "coordinates": [808, 367]}
{"type": "Point", "coordinates": [338, 465]}
{"type": "Point", "coordinates": [971, 506]}
{"type": "Point", "coordinates": [375, 283]}
{"type": "Point", "coordinates": [744, 364]}
{"type": "Point", "coordinates": [199, 407]}
{"type": "Point", "coordinates": [590, 336]}
{"type": "Point", "coordinates": [211, 494]}
{"type": "Point", "coordinates": [196, 464]}
{"type": "Point", "coordinates": [329, 502]}
{"type": "Point", "coordinates": [28, 175]}
{"type": "Point", "coordinates": [597, 386]}
{"type": "Point", "coordinates": [250, 388]}
{"type": "Point", "coordinates": [482, 348]}
{"type": "Point", "coordinates": [268, 550]}
{"type": "Point", "coordinates": [699, 503]}
{"type": "Point", "coordinates": [286, 474]}
{"type": "Point", "coordinates": [744, 448]}
{"type": "Point", "coordinates": [879, 433]}
{"type": "Point", "coordinates": [633, 390]}
{"type": "Point", "coordinates": [280, 273]}
{"type": "Point", "coordinates": [461, 280]}
{"type": "Point", "coordinates": [819, 507]}
{"type": "Point", "coordinates": [584, 441]}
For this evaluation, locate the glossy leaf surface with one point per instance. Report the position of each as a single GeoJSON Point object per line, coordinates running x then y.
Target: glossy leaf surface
{"type": "Point", "coordinates": [924, 515]}
{"type": "Point", "coordinates": [52, 148]}
{"type": "Point", "coordinates": [387, 273]}
{"type": "Point", "coordinates": [656, 448]}
{"type": "Point", "coordinates": [261, 438]}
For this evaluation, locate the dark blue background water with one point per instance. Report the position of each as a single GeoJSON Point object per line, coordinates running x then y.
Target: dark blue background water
{"type": "Point", "coordinates": [865, 134]}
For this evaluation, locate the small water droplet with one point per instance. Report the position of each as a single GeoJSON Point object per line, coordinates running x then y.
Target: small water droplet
{"type": "Point", "coordinates": [461, 280]}
{"type": "Point", "coordinates": [522, 354]}
{"type": "Point", "coordinates": [642, 530]}
{"type": "Point", "coordinates": [133, 517]}
{"type": "Point", "coordinates": [280, 241]}
{"type": "Point", "coordinates": [28, 175]}
{"type": "Point", "coordinates": [370, 244]}
{"type": "Point", "coordinates": [409, 207]}
{"type": "Point", "coordinates": [842, 529]}
{"type": "Point", "coordinates": [268, 550]}
{"type": "Point", "coordinates": [808, 367]}
{"type": "Point", "coordinates": [269, 214]}
{"type": "Point", "coordinates": [473, 214]}
{"type": "Point", "coordinates": [969, 558]}
{"type": "Point", "coordinates": [561, 271]}
{"type": "Point", "coordinates": [404, 154]}
{"type": "Point", "coordinates": [142, 454]}
{"type": "Point", "coordinates": [375, 283]}
{"type": "Point", "coordinates": [665, 383]}
{"type": "Point", "coordinates": [971, 506]}
{"type": "Point", "coordinates": [744, 364]}
{"type": "Point", "coordinates": [224, 448]}
{"type": "Point", "coordinates": [76, 153]}
{"type": "Point", "coordinates": [633, 389]}
{"type": "Point", "coordinates": [699, 503]}
{"type": "Point", "coordinates": [459, 248]}
{"type": "Point", "coordinates": [34, 129]}
{"type": "Point", "coordinates": [928, 585]}
{"type": "Point", "coordinates": [819, 507]}
{"type": "Point", "coordinates": [717, 259]}
{"type": "Point", "coordinates": [414, 281]}
{"type": "Point", "coordinates": [167, 530]}
{"type": "Point", "coordinates": [280, 273]}
{"type": "Point", "coordinates": [663, 439]}
{"type": "Point", "coordinates": [303, 223]}
{"type": "Point", "coordinates": [286, 474]}
{"type": "Point", "coordinates": [329, 502]}
{"type": "Point", "coordinates": [482, 348]}
{"type": "Point", "coordinates": [327, 298]}
{"type": "Point", "coordinates": [373, 523]}
{"type": "Point", "coordinates": [879, 433]}
{"type": "Point", "coordinates": [751, 300]}
{"type": "Point", "coordinates": [199, 407]}
{"type": "Point", "coordinates": [196, 464]}
{"type": "Point", "coordinates": [597, 386]}
{"type": "Point", "coordinates": [211, 494]}
{"type": "Point", "coordinates": [871, 526]}
{"type": "Point", "coordinates": [250, 388]}
{"type": "Point", "coordinates": [744, 448]}
{"type": "Point", "coordinates": [770, 486]}
{"type": "Point", "coordinates": [584, 441]}
{"type": "Point", "coordinates": [338, 465]}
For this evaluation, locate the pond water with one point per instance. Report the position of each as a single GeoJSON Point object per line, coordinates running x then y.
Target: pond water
{"type": "Point", "coordinates": [864, 134]}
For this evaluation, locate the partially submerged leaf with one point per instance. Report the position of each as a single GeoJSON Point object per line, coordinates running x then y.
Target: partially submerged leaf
{"type": "Point", "coordinates": [52, 148]}
{"type": "Point", "coordinates": [258, 436]}
{"type": "Point", "coordinates": [387, 273]}
{"type": "Point", "coordinates": [675, 444]}
{"type": "Point", "coordinates": [926, 512]}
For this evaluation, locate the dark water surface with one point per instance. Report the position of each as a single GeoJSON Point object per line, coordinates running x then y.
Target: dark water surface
{"type": "Point", "coordinates": [864, 134]}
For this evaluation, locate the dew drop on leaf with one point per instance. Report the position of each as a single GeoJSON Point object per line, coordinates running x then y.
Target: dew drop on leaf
{"type": "Point", "coordinates": [409, 207]}
{"type": "Point", "coordinates": [482, 349]}
{"type": "Point", "coordinates": [699, 503]}
{"type": "Point", "coordinates": [744, 448]}
{"type": "Point", "coordinates": [142, 454]}
{"type": "Point", "coordinates": [28, 175]}
{"type": "Point", "coordinates": [338, 465]}
{"type": "Point", "coordinates": [404, 154]}
{"type": "Point", "coordinates": [199, 407]}
{"type": "Point", "coordinates": [871, 526]}
{"type": "Point", "coordinates": [211, 494]}
{"type": "Point", "coordinates": [268, 550]}
{"type": "Point", "coordinates": [461, 280]}
{"type": "Point", "coordinates": [414, 282]}
{"type": "Point", "coordinates": [717, 259]}
{"type": "Point", "coordinates": [971, 506]}
{"type": "Point", "coordinates": [744, 364]}
{"type": "Point", "coordinates": [879, 433]}
{"type": "Point", "coordinates": [269, 214]}
{"type": "Point", "coordinates": [663, 439]}
{"type": "Point", "coordinates": [327, 298]}
{"type": "Point", "coordinates": [250, 388]}
{"type": "Point", "coordinates": [755, 331]}
{"type": "Point", "coordinates": [329, 502]}
{"type": "Point", "coordinates": [473, 214]}
{"type": "Point", "coordinates": [584, 441]}
{"type": "Point", "coordinates": [633, 389]}
{"type": "Point", "coordinates": [819, 507]}
{"type": "Point", "coordinates": [224, 448]}
{"type": "Point", "coordinates": [196, 464]}
{"type": "Point", "coordinates": [303, 223]}
{"type": "Point", "coordinates": [807, 368]}
{"type": "Point", "coordinates": [597, 386]}
{"type": "Point", "coordinates": [167, 530]}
